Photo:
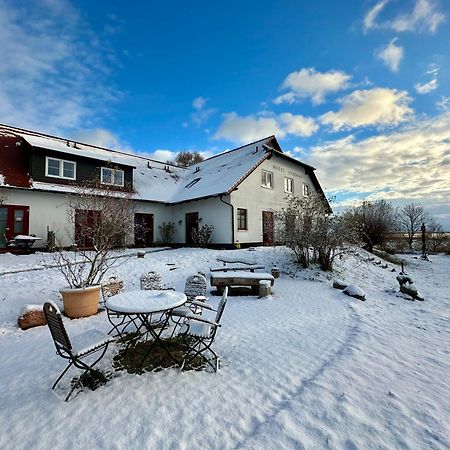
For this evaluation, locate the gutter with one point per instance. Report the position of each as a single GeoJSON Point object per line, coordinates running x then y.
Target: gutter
{"type": "Point", "coordinates": [232, 217]}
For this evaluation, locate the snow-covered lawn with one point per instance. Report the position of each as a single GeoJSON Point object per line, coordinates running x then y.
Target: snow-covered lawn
{"type": "Point", "coordinates": [307, 368]}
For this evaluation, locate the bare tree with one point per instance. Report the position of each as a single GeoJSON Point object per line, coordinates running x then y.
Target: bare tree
{"type": "Point", "coordinates": [434, 235]}
{"type": "Point", "coordinates": [186, 159]}
{"type": "Point", "coordinates": [374, 222]}
{"type": "Point", "coordinates": [101, 219]}
{"type": "Point", "coordinates": [410, 220]}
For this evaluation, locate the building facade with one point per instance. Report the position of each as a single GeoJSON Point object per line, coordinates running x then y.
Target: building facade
{"type": "Point", "coordinates": [237, 192]}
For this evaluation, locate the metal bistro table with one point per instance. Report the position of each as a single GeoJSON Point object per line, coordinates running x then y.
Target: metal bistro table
{"type": "Point", "coordinates": [148, 311]}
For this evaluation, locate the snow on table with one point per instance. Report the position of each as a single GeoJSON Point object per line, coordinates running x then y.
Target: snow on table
{"type": "Point", "coordinates": [145, 301]}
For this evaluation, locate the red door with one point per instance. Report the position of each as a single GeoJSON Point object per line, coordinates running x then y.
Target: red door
{"type": "Point", "coordinates": [14, 220]}
{"type": "Point", "coordinates": [87, 223]}
{"type": "Point", "coordinates": [267, 227]}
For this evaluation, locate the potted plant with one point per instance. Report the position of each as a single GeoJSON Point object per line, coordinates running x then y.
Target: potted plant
{"type": "Point", "coordinates": [101, 220]}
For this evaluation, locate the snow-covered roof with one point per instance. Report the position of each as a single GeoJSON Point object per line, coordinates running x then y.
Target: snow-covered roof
{"type": "Point", "coordinates": [157, 181]}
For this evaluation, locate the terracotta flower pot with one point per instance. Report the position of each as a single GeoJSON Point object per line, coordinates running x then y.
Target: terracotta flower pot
{"type": "Point", "coordinates": [82, 302]}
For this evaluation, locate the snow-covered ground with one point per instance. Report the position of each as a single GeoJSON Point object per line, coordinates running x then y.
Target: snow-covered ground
{"type": "Point", "coordinates": [307, 368]}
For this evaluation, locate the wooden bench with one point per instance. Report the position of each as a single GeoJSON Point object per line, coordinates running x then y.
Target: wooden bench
{"type": "Point", "coordinates": [239, 278]}
{"type": "Point", "coordinates": [251, 268]}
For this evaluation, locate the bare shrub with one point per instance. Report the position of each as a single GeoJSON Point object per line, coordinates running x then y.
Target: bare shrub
{"type": "Point", "coordinates": [312, 233]}
{"type": "Point", "coordinates": [101, 220]}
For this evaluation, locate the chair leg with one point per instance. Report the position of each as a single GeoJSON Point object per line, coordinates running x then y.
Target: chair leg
{"type": "Point", "coordinates": [62, 374]}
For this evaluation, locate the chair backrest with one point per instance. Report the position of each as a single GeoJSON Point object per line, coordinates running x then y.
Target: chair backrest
{"type": "Point", "coordinates": [56, 325]}
{"type": "Point", "coordinates": [112, 287]}
{"type": "Point", "coordinates": [222, 304]}
{"type": "Point", "coordinates": [151, 281]}
{"type": "Point", "coordinates": [195, 286]}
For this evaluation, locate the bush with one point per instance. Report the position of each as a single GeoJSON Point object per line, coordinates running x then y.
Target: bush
{"type": "Point", "coordinates": [312, 233]}
{"type": "Point", "coordinates": [202, 236]}
{"type": "Point", "coordinates": [167, 231]}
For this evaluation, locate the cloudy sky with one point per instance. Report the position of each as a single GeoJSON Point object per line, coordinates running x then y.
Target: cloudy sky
{"type": "Point", "coordinates": [358, 88]}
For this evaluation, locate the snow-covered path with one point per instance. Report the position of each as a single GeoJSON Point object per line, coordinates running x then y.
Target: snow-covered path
{"type": "Point", "coordinates": [308, 368]}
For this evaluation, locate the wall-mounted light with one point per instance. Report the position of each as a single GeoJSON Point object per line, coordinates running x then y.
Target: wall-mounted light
{"type": "Point", "coordinates": [180, 222]}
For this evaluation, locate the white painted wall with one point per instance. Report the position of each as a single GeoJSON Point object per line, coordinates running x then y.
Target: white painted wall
{"type": "Point", "coordinates": [212, 212]}
{"type": "Point", "coordinates": [50, 209]}
{"type": "Point", "coordinates": [251, 195]}
{"type": "Point", "coordinates": [47, 209]}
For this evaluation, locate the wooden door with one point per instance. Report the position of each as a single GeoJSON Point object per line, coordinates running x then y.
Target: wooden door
{"type": "Point", "coordinates": [87, 225]}
{"type": "Point", "coordinates": [191, 226]}
{"type": "Point", "coordinates": [268, 227]}
{"type": "Point", "coordinates": [14, 220]}
{"type": "Point", "coordinates": [143, 230]}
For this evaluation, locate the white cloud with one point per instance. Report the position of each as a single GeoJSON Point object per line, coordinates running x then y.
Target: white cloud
{"type": "Point", "coordinates": [201, 114]}
{"type": "Point", "coordinates": [308, 83]}
{"type": "Point", "coordinates": [391, 55]}
{"type": "Point", "coordinates": [380, 107]}
{"type": "Point", "coordinates": [430, 86]}
{"type": "Point", "coordinates": [371, 16]}
{"type": "Point", "coordinates": [199, 102]}
{"type": "Point", "coordinates": [298, 125]}
{"type": "Point", "coordinates": [426, 88]}
{"type": "Point", "coordinates": [101, 138]}
{"type": "Point", "coordinates": [443, 103]}
{"type": "Point", "coordinates": [409, 164]}
{"type": "Point", "coordinates": [53, 64]}
{"type": "Point", "coordinates": [424, 17]}
{"type": "Point", "coordinates": [245, 129]}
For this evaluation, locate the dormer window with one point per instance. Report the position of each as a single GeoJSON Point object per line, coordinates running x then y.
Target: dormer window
{"type": "Point", "coordinates": [113, 177]}
{"type": "Point", "coordinates": [60, 168]}
{"type": "Point", "coordinates": [194, 181]}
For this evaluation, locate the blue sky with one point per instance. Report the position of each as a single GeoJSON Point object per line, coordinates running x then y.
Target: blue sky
{"type": "Point", "coordinates": [359, 89]}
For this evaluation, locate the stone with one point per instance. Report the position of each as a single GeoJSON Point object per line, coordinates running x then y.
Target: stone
{"type": "Point", "coordinates": [264, 288]}
{"type": "Point", "coordinates": [141, 254]}
{"type": "Point", "coordinates": [339, 284]}
{"type": "Point", "coordinates": [355, 291]}
{"type": "Point", "coordinates": [31, 316]}
{"type": "Point", "coordinates": [384, 266]}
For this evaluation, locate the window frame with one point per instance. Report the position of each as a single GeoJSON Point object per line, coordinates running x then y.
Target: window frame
{"type": "Point", "coordinates": [286, 190]}
{"type": "Point", "coordinates": [61, 168]}
{"type": "Point", "coordinates": [113, 176]}
{"type": "Point", "coordinates": [264, 174]}
{"type": "Point", "coordinates": [306, 190]}
{"type": "Point", "coordinates": [239, 219]}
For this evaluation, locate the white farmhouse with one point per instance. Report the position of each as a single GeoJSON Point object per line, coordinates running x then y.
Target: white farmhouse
{"type": "Point", "coordinates": [237, 191]}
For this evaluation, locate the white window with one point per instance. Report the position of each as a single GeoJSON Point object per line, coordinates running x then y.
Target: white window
{"type": "Point", "coordinates": [305, 190]}
{"type": "Point", "coordinates": [267, 179]}
{"type": "Point", "coordinates": [112, 176]}
{"type": "Point", "coordinates": [60, 168]}
{"type": "Point", "coordinates": [289, 185]}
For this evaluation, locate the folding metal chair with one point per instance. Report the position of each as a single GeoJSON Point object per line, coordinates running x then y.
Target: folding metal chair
{"type": "Point", "coordinates": [199, 334]}
{"type": "Point", "coordinates": [81, 346]}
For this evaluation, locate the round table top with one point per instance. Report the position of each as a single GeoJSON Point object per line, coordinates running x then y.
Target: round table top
{"type": "Point", "coordinates": [145, 302]}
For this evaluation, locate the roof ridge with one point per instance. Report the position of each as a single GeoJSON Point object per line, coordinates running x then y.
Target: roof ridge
{"type": "Point", "coordinates": [234, 149]}
{"type": "Point", "coordinates": [120, 152]}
